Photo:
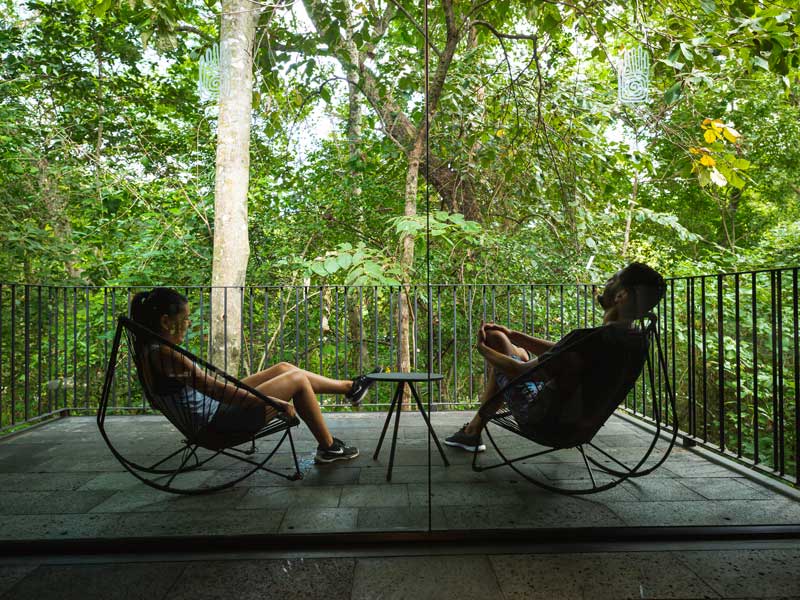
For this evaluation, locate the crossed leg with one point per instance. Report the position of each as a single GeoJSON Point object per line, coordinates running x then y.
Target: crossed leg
{"type": "Point", "coordinates": [291, 383]}
{"type": "Point", "coordinates": [294, 385]}
{"type": "Point", "coordinates": [497, 340]}
{"type": "Point", "coordinates": [319, 383]}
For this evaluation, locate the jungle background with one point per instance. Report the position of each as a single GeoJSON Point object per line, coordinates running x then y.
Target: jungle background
{"type": "Point", "coordinates": [535, 174]}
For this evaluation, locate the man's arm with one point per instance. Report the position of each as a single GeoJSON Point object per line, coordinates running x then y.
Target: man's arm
{"type": "Point", "coordinates": [528, 342]}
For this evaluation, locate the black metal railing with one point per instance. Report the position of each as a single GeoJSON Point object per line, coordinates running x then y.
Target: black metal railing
{"type": "Point", "coordinates": [731, 341]}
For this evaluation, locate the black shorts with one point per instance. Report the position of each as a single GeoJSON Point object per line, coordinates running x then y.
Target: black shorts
{"type": "Point", "coordinates": [238, 419]}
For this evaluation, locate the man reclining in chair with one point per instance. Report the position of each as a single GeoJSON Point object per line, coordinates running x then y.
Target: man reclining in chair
{"type": "Point", "coordinates": [549, 401]}
{"type": "Point", "coordinates": [200, 393]}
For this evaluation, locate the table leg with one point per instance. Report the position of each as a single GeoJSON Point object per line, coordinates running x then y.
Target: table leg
{"type": "Point", "coordinates": [431, 432]}
{"type": "Point", "coordinates": [395, 400]}
{"type": "Point", "coordinates": [396, 423]}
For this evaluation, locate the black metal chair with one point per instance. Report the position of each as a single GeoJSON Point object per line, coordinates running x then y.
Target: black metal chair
{"type": "Point", "coordinates": [567, 437]}
{"type": "Point", "coordinates": [186, 411]}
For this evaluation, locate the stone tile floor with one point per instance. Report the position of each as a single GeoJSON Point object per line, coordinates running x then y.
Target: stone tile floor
{"type": "Point", "coordinates": [769, 572]}
{"type": "Point", "coordinates": [60, 481]}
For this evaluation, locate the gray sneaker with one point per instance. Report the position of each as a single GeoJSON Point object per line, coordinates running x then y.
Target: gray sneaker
{"type": "Point", "coordinates": [337, 451]}
{"type": "Point", "coordinates": [468, 442]}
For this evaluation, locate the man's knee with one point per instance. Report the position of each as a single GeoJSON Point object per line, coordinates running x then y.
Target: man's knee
{"type": "Point", "coordinates": [286, 367]}
{"type": "Point", "coordinates": [497, 340]}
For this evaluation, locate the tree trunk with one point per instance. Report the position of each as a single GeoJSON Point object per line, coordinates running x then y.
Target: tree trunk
{"type": "Point", "coordinates": [407, 260]}
{"type": "Point", "coordinates": [231, 243]}
{"type": "Point", "coordinates": [629, 216]}
{"type": "Point", "coordinates": [98, 146]}
{"type": "Point", "coordinates": [354, 318]}
{"type": "Point", "coordinates": [57, 212]}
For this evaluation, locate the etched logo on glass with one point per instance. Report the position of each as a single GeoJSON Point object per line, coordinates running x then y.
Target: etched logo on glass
{"type": "Point", "coordinates": [633, 76]}
{"type": "Point", "coordinates": [210, 84]}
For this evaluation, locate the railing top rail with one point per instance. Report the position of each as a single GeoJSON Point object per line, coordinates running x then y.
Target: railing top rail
{"type": "Point", "coordinates": [417, 284]}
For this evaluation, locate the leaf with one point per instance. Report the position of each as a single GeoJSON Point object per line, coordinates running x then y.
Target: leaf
{"type": "Point", "coordinates": [101, 8]}
{"type": "Point", "coordinates": [708, 6]}
{"type": "Point", "coordinates": [737, 181]}
{"type": "Point", "coordinates": [718, 178]}
{"type": "Point", "coordinates": [325, 93]}
{"type": "Point", "coordinates": [331, 265]}
{"type": "Point", "coordinates": [374, 269]}
{"type": "Point", "coordinates": [741, 163]}
{"type": "Point", "coordinates": [760, 62]}
{"type": "Point", "coordinates": [344, 260]}
{"type": "Point", "coordinates": [710, 136]}
{"type": "Point", "coordinates": [731, 134]}
{"type": "Point", "coordinates": [707, 161]}
{"type": "Point", "coordinates": [672, 94]}
{"type": "Point", "coordinates": [318, 268]}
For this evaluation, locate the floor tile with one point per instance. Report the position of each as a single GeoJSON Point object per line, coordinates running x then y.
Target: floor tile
{"type": "Point", "coordinates": [426, 577]}
{"type": "Point", "coordinates": [374, 495]}
{"type": "Point", "coordinates": [288, 497]}
{"type": "Point", "coordinates": [314, 579]}
{"type": "Point", "coordinates": [36, 503]}
{"type": "Point", "coordinates": [319, 520]}
{"type": "Point", "coordinates": [614, 576]}
{"type": "Point", "coordinates": [131, 581]}
{"type": "Point", "coordinates": [761, 573]}
{"type": "Point", "coordinates": [11, 574]}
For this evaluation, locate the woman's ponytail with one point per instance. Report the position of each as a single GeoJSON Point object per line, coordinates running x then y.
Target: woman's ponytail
{"type": "Point", "coordinates": [147, 307]}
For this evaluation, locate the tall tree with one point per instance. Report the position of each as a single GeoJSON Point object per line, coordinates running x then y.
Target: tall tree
{"type": "Point", "coordinates": [231, 242]}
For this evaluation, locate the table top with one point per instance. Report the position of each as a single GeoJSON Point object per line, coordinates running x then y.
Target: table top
{"type": "Point", "coordinates": [404, 376]}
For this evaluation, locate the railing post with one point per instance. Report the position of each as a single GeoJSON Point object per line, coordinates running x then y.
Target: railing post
{"type": "Point", "coordinates": [13, 381]}
{"type": "Point", "coordinates": [754, 309]}
{"type": "Point", "coordinates": [720, 364]}
{"type": "Point", "coordinates": [27, 340]}
{"type": "Point", "coordinates": [737, 317]}
{"type": "Point", "coordinates": [796, 346]}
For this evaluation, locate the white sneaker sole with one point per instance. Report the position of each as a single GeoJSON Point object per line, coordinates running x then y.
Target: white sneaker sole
{"type": "Point", "coordinates": [318, 459]}
{"type": "Point", "coordinates": [481, 448]}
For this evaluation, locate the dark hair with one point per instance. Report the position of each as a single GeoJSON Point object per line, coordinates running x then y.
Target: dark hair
{"type": "Point", "coordinates": [148, 307]}
{"type": "Point", "coordinates": [647, 285]}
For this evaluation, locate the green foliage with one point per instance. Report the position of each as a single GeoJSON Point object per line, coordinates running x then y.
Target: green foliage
{"type": "Point", "coordinates": [108, 157]}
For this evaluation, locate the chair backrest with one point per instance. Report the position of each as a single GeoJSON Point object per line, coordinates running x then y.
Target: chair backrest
{"type": "Point", "coordinates": [166, 373]}
{"type": "Point", "coordinates": [607, 377]}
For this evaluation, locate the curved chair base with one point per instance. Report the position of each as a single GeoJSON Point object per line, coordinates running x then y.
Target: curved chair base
{"type": "Point", "coordinates": [168, 479]}
{"type": "Point", "coordinates": [618, 476]}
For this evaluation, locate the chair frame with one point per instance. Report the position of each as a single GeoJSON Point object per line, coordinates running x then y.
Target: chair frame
{"type": "Point", "coordinates": [505, 420]}
{"type": "Point", "coordinates": [189, 459]}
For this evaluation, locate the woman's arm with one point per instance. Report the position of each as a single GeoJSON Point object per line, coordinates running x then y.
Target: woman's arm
{"type": "Point", "coordinates": [181, 368]}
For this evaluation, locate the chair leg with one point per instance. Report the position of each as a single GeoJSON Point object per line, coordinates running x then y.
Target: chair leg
{"type": "Point", "coordinates": [589, 468]}
{"type": "Point", "coordinates": [297, 473]}
{"type": "Point", "coordinates": [190, 452]}
{"type": "Point", "coordinates": [475, 466]}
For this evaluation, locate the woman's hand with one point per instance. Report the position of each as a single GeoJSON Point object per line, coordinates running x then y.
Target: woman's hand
{"type": "Point", "coordinates": [286, 408]}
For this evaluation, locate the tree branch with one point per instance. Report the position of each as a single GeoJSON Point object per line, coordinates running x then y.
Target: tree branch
{"type": "Point", "coordinates": [192, 29]}
{"type": "Point", "coordinates": [417, 26]}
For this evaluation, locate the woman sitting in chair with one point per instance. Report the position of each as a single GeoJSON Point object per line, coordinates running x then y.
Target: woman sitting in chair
{"type": "Point", "coordinates": [200, 394]}
{"type": "Point", "coordinates": [549, 402]}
